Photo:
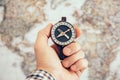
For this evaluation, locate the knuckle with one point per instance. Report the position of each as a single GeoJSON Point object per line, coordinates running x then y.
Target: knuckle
{"type": "Point", "coordinates": [77, 56]}
{"type": "Point", "coordinates": [81, 54]}
{"type": "Point", "coordinates": [77, 45]}
{"type": "Point", "coordinates": [85, 63]}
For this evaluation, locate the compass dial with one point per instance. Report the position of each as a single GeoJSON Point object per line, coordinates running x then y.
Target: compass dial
{"type": "Point", "coordinates": [63, 33]}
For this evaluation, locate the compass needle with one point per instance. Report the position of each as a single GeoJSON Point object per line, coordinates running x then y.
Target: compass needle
{"type": "Point", "coordinates": [66, 36]}
{"type": "Point", "coordinates": [60, 35]}
{"type": "Point", "coordinates": [60, 30]}
{"type": "Point", "coordinates": [67, 31]}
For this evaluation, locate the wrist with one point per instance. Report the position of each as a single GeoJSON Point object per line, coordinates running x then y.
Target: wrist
{"type": "Point", "coordinates": [55, 73]}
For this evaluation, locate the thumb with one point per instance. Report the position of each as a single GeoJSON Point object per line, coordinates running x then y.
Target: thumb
{"type": "Point", "coordinates": [43, 35]}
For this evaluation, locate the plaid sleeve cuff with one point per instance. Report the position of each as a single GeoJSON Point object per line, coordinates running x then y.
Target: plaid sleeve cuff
{"type": "Point", "coordinates": [40, 75]}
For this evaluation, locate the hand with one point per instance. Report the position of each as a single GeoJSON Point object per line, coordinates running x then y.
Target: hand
{"type": "Point", "coordinates": [47, 58]}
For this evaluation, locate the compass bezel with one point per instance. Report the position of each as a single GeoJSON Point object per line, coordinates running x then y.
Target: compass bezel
{"type": "Point", "coordinates": [65, 24]}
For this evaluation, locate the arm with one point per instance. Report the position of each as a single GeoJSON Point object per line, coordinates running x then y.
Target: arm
{"type": "Point", "coordinates": [40, 75]}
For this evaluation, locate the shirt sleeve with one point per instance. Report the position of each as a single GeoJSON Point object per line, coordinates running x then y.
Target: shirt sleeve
{"type": "Point", "coordinates": [40, 75]}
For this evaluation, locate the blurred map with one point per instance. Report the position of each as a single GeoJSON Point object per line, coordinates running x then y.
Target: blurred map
{"type": "Point", "coordinates": [99, 20]}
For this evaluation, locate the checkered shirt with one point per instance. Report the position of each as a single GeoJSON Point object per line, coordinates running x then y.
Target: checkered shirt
{"type": "Point", "coordinates": [40, 75]}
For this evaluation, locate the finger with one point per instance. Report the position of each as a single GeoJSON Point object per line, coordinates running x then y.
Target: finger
{"type": "Point", "coordinates": [67, 62]}
{"type": "Point", "coordinates": [78, 32]}
{"type": "Point", "coordinates": [71, 49]}
{"type": "Point", "coordinates": [43, 35]}
{"type": "Point", "coordinates": [80, 65]}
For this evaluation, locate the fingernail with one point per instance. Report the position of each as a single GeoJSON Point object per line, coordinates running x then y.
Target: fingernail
{"type": "Point", "coordinates": [67, 64]}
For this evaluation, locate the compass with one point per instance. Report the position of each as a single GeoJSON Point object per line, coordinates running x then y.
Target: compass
{"type": "Point", "coordinates": [62, 34]}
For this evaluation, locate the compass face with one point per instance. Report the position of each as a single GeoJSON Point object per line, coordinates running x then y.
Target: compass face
{"type": "Point", "coordinates": [63, 33]}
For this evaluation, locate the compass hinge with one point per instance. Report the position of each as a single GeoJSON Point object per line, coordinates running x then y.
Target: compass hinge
{"type": "Point", "coordinates": [63, 19]}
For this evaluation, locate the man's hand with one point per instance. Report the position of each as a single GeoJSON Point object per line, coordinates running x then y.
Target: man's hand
{"type": "Point", "coordinates": [47, 57]}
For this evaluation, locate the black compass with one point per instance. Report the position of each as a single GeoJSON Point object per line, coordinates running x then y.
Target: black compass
{"type": "Point", "coordinates": [62, 34]}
